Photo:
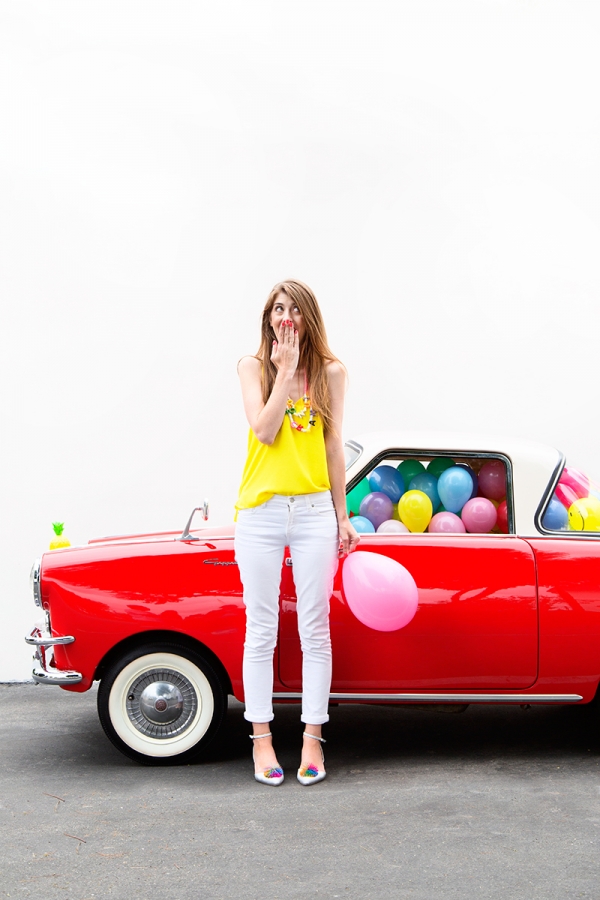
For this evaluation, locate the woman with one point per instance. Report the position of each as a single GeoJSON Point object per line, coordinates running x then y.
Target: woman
{"type": "Point", "coordinates": [292, 494]}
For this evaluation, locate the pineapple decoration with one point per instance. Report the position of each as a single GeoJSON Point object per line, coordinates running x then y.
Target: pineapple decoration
{"type": "Point", "coordinates": [60, 540]}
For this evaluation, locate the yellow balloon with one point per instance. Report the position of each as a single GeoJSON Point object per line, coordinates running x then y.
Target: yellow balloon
{"type": "Point", "coordinates": [584, 514]}
{"type": "Point", "coordinates": [395, 513]}
{"type": "Point", "coordinates": [415, 510]}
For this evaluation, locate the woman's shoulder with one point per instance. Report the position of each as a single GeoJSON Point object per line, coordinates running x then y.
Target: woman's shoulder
{"type": "Point", "coordinates": [336, 371]}
{"type": "Point", "coordinates": [249, 364]}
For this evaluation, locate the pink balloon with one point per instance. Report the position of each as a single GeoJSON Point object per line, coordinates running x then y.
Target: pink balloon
{"type": "Point", "coordinates": [391, 526]}
{"type": "Point", "coordinates": [492, 480]}
{"type": "Point", "coordinates": [576, 480]}
{"type": "Point", "coordinates": [446, 523]}
{"type": "Point", "coordinates": [479, 515]}
{"type": "Point", "coordinates": [565, 494]}
{"type": "Point", "coordinates": [381, 593]}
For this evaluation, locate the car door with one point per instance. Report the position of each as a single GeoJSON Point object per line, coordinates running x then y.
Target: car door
{"type": "Point", "coordinates": [475, 627]}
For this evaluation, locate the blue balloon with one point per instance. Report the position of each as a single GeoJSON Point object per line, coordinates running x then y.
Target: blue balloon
{"type": "Point", "coordinates": [362, 525]}
{"type": "Point", "coordinates": [387, 480]}
{"type": "Point", "coordinates": [455, 487]}
{"type": "Point", "coordinates": [474, 478]}
{"type": "Point", "coordinates": [428, 484]}
{"type": "Point", "coordinates": [556, 517]}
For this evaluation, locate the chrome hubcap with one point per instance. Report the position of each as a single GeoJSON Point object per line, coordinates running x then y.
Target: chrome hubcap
{"type": "Point", "coordinates": [162, 703]}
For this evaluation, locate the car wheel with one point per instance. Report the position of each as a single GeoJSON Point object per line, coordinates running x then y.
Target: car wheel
{"type": "Point", "coordinates": [161, 704]}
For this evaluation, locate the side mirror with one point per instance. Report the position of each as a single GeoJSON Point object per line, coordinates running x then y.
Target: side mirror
{"type": "Point", "coordinates": [186, 536]}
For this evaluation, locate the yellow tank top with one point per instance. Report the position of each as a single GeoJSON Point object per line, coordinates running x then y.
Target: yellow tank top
{"type": "Point", "coordinates": [295, 463]}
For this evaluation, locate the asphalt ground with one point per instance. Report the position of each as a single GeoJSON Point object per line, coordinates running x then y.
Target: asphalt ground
{"type": "Point", "coordinates": [494, 802]}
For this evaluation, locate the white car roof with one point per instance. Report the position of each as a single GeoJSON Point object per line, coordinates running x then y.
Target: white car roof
{"type": "Point", "coordinates": [533, 464]}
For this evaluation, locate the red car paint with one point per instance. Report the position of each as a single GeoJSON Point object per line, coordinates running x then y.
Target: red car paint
{"type": "Point", "coordinates": [481, 623]}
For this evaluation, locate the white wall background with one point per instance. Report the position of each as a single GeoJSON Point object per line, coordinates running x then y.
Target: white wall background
{"type": "Point", "coordinates": [429, 168]}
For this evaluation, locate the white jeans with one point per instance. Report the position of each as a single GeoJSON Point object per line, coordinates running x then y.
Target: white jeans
{"type": "Point", "coordinates": [308, 525]}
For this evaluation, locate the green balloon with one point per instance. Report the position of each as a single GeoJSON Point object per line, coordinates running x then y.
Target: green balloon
{"type": "Point", "coordinates": [408, 469]}
{"type": "Point", "coordinates": [439, 465]}
{"type": "Point", "coordinates": [356, 496]}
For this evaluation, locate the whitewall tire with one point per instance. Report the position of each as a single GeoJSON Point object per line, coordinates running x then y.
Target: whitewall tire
{"type": "Point", "coordinates": [161, 704]}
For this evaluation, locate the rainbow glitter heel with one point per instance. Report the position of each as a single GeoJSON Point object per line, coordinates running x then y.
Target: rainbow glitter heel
{"type": "Point", "coordinates": [310, 774]}
{"type": "Point", "coordinates": [272, 776]}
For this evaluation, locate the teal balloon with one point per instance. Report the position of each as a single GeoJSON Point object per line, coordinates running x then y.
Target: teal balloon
{"type": "Point", "coordinates": [439, 465]}
{"type": "Point", "coordinates": [428, 484]}
{"type": "Point", "coordinates": [357, 495]}
{"type": "Point", "coordinates": [362, 525]}
{"type": "Point", "coordinates": [409, 468]}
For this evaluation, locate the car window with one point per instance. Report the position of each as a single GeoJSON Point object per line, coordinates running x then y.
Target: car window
{"type": "Point", "coordinates": [456, 494]}
{"type": "Point", "coordinates": [574, 505]}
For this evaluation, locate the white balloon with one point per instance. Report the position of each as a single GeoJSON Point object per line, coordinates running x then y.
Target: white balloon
{"type": "Point", "coordinates": [392, 525]}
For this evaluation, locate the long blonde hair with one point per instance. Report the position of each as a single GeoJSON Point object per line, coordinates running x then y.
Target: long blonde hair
{"type": "Point", "coordinates": [314, 349]}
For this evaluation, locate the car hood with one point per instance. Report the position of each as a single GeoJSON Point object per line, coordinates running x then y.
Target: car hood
{"type": "Point", "coordinates": [204, 534]}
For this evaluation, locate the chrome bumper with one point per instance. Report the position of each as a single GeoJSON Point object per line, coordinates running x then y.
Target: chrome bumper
{"type": "Point", "coordinates": [44, 670]}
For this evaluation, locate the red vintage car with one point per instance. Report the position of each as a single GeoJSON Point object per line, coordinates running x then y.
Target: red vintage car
{"type": "Point", "coordinates": [477, 580]}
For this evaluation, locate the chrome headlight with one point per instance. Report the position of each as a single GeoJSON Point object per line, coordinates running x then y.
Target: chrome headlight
{"type": "Point", "coordinates": [34, 581]}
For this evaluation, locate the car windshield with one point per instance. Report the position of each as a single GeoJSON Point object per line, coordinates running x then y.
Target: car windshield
{"type": "Point", "coordinates": [352, 451]}
{"type": "Point", "coordinates": [574, 504]}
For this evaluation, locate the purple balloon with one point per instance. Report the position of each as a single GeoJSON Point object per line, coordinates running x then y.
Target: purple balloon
{"type": "Point", "coordinates": [376, 507]}
{"type": "Point", "coordinates": [446, 523]}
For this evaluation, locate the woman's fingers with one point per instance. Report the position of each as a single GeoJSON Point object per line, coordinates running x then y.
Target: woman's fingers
{"type": "Point", "coordinates": [286, 349]}
{"type": "Point", "coordinates": [349, 538]}
{"type": "Point", "coordinates": [287, 329]}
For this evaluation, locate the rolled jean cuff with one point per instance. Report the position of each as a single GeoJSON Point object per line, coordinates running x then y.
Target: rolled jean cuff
{"type": "Point", "coordinates": [314, 720]}
{"type": "Point", "coordinates": [256, 721]}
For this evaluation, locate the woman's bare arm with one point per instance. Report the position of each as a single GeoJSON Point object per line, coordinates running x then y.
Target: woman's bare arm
{"type": "Point", "coordinates": [335, 456]}
{"type": "Point", "coordinates": [265, 418]}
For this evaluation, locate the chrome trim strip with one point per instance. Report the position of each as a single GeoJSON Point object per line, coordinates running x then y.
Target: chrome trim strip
{"type": "Point", "coordinates": [35, 581]}
{"type": "Point", "coordinates": [445, 698]}
{"type": "Point", "coordinates": [547, 496]}
{"type": "Point", "coordinates": [45, 640]}
{"type": "Point", "coordinates": [64, 676]}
